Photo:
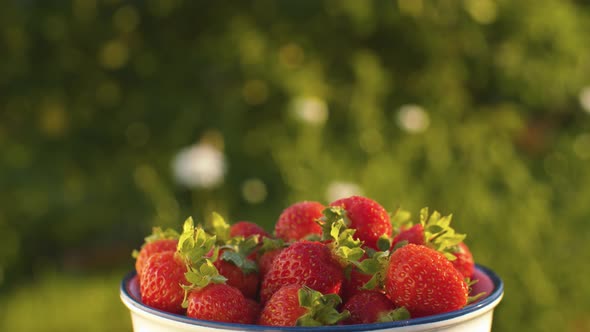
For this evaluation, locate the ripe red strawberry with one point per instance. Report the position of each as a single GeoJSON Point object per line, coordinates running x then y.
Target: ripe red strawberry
{"type": "Point", "coordinates": [367, 307]}
{"type": "Point", "coordinates": [414, 234]}
{"type": "Point", "coordinates": [464, 262]}
{"type": "Point", "coordinates": [370, 219]}
{"type": "Point", "coordinates": [266, 259]}
{"type": "Point", "coordinates": [267, 252]}
{"type": "Point", "coordinates": [305, 263]}
{"type": "Point", "coordinates": [296, 305]}
{"type": "Point", "coordinates": [254, 310]}
{"type": "Point", "coordinates": [246, 229]}
{"type": "Point", "coordinates": [353, 283]}
{"type": "Point", "coordinates": [244, 280]}
{"type": "Point", "coordinates": [436, 232]}
{"type": "Point", "coordinates": [161, 280]}
{"type": "Point", "coordinates": [283, 308]}
{"type": "Point", "coordinates": [424, 281]}
{"type": "Point", "coordinates": [152, 248]}
{"type": "Point", "coordinates": [220, 303]}
{"type": "Point", "coordinates": [298, 221]}
{"type": "Point", "coordinates": [158, 241]}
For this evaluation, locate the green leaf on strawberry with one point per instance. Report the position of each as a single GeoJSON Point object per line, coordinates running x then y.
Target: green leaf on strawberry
{"type": "Point", "coordinates": [197, 250]}
{"type": "Point", "coordinates": [438, 231]}
{"type": "Point", "coordinates": [194, 243]}
{"type": "Point", "coordinates": [401, 219]}
{"type": "Point", "coordinates": [158, 234]}
{"type": "Point", "coordinates": [395, 315]}
{"type": "Point", "coordinates": [237, 250]}
{"type": "Point", "coordinates": [375, 265]}
{"type": "Point", "coordinates": [343, 245]}
{"type": "Point", "coordinates": [321, 308]}
{"type": "Point", "coordinates": [199, 275]}
{"type": "Point", "coordinates": [270, 244]}
{"type": "Point", "coordinates": [332, 215]}
{"type": "Point", "coordinates": [204, 274]}
{"type": "Point", "coordinates": [220, 228]}
{"type": "Point", "coordinates": [239, 260]}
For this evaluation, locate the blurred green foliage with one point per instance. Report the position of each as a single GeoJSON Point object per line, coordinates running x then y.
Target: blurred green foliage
{"type": "Point", "coordinates": [473, 107]}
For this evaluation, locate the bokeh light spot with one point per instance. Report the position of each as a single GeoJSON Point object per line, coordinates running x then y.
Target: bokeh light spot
{"type": "Point", "coordinates": [411, 7]}
{"type": "Point", "coordinates": [199, 166]}
{"type": "Point", "coordinates": [338, 189]}
{"type": "Point", "coordinates": [53, 120]}
{"type": "Point", "coordinates": [413, 118]}
{"type": "Point", "coordinates": [114, 55]}
{"type": "Point", "coordinates": [254, 191]}
{"type": "Point", "coordinates": [482, 11]}
{"type": "Point", "coordinates": [310, 110]}
{"type": "Point", "coordinates": [584, 98]}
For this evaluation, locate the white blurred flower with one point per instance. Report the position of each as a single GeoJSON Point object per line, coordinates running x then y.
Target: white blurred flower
{"type": "Point", "coordinates": [413, 118]}
{"type": "Point", "coordinates": [337, 190]}
{"type": "Point", "coordinates": [199, 166]}
{"type": "Point", "coordinates": [585, 98]}
{"type": "Point", "coordinates": [310, 110]}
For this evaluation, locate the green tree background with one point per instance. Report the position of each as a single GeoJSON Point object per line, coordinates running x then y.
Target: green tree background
{"type": "Point", "coordinates": [476, 107]}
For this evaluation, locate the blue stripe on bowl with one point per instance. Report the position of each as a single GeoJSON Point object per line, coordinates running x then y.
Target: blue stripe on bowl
{"type": "Point", "coordinates": [494, 295]}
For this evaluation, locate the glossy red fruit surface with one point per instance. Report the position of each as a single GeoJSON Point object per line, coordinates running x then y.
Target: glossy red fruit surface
{"type": "Point", "coordinates": [151, 248]}
{"type": "Point", "coordinates": [247, 283]}
{"type": "Point", "coordinates": [368, 217]}
{"type": "Point", "coordinates": [246, 229]}
{"type": "Point", "coordinates": [160, 282]}
{"type": "Point", "coordinates": [220, 303]}
{"type": "Point", "coordinates": [424, 281]}
{"type": "Point", "coordinates": [464, 262]}
{"type": "Point", "coordinates": [365, 307]}
{"type": "Point", "coordinates": [299, 220]}
{"type": "Point", "coordinates": [283, 308]}
{"type": "Point", "coordinates": [305, 263]}
{"type": "Point", "coordinates": [414, 234]}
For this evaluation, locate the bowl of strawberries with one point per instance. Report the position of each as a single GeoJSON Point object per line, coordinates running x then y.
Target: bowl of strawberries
{"type": "Point", "coordinates": [348, 266]}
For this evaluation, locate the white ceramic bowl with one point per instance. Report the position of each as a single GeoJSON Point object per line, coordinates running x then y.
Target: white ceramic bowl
{"type": "Point", "coordinates": [476, 317]}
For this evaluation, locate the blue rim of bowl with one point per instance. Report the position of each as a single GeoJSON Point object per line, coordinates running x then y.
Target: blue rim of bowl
{"type": "Point", "coordinates": [494, 295]}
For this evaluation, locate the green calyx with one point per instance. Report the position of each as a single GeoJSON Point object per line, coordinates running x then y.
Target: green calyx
{"type": "Point", "coordinates": [344, 246]}
{"type": "Point", "coordinates": [270, 244]}
{"type": "Point", "coordinates": [237, 251]}
{"type": "Point", "coordinates": [219, 227]}
{"type": "Point", "coordinates": [321, 308]}
{"type": "Point", "coordinates": [332, 215]}
{"type": "Point", "coordinates": [198, 251]}
{"type": "Point", "coordinates": [376, 265]}
{"type": "Point", "coordinates": [394, 315]}
{"type": "Point", "coordinates": [439, 234]}
{"type": "Point", "coordinates": [158, 234]}
{"type": "Point", "coordinates": [400, 219]}
{"type": "Point", "coordinates": [194, 243]}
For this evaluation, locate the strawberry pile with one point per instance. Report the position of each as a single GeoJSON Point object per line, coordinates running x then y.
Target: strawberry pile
{"type": "Point", "coordinates": [346, 263]}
